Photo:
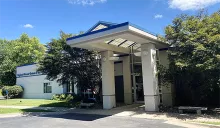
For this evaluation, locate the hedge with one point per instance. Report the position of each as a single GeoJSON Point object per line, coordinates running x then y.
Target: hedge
{"type": "Point", "coordinates": [15, 91]}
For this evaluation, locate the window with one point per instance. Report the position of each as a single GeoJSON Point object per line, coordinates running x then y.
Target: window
{"type": "Point", "coordinates": [47, 88]}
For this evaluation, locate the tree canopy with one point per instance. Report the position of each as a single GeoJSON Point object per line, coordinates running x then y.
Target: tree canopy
{"type": "Point", "coordinates": [67, 64]}
{"type": "Point", "coordinates": [195, 58]}
{"type": "Point", "coordinates": [13, 53]}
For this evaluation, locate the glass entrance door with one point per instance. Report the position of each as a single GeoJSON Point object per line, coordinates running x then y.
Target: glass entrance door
{"type": "Point", "coordinates": [137, 79]}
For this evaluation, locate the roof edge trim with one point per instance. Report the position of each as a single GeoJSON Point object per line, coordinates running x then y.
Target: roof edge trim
{"type": "Point", "coordinates": [143, 29]}
{"type": "Point", "coordinates": [101, 30]}
{"type": "Point", "coordinates": [108, 24]}
{"type": "Point", "coordinates": [26, 64]}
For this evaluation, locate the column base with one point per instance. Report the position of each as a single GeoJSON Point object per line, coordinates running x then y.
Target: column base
{"type": "Point", "coordinates": [109, 101]}
{"type": "Point", "coordinates": [128, 98]}
{"type": "Point", "coordinates": [151, 103]}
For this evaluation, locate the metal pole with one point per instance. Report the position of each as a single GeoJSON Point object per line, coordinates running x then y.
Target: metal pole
{"type": "Point", "coordinates": [133, 74]}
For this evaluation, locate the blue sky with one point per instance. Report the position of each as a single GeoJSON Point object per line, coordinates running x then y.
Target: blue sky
{"type": "Point", "coordinates": [45, 18]}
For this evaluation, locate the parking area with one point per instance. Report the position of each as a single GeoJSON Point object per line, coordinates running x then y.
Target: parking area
{"type": "Point", "coordinates": [73, 120]}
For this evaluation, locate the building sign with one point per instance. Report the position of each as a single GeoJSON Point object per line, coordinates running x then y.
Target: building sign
{"type": "Point", "coordinates": [28, 74]}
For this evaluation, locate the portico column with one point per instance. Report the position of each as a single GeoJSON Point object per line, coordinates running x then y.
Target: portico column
{"type": "Point", "coordinates": [148, 57]}
{"type": "Point", "coordinates": [127, 80]}
{"type": "Point", "coordinates": [108, 80]}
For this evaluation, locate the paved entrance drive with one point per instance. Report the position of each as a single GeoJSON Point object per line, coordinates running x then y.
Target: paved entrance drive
{"type": "Point", "coordinates": [126, 116]}
{"type": "Point", "coordinates": [71, 120]}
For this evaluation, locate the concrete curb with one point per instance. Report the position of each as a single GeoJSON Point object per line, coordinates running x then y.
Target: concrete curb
{"type": "Point", "coordinates": [11, 115]}
{"type": "Point", "coordinates": [56, 109]}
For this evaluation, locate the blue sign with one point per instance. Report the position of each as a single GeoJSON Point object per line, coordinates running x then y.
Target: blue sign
{"type": "Point", "coordinates": [6, 91]}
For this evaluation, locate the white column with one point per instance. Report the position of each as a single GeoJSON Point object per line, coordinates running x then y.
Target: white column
{"type": "Point", "coordinates": [150, 83]}
{"type": "Point", "coordinates": [127, 80]}
{"type": "Point", "coordinates": [108, 80]}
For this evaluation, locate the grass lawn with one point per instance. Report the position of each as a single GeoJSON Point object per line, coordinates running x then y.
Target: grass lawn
{"type": "Point", "coordinates": [14, 110]}
{"type": "Point", "coordinates": [34, 102]}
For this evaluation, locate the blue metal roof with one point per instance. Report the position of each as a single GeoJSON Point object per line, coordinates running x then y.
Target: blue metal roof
{"type": "Point", "coordinates": [101, 30]}
{"type": "Point", "coordinates": [109, 27]}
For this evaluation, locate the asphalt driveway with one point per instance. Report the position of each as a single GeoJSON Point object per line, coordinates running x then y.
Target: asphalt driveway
{"type": "Point", "coordinates": [72, 120]}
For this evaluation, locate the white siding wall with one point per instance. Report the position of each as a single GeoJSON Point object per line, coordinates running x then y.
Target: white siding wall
{"type": "Point", "coordinates": [34, 85]}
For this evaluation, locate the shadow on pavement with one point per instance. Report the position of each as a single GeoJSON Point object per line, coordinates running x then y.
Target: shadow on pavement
{"type": "Point", "coordinates": [75, 116]}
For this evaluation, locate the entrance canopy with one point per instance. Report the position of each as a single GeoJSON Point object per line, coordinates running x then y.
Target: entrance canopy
{"type": "Point", "coordinates": [119, 38]}
{"type": "Point", "coordinates": [111, 39]}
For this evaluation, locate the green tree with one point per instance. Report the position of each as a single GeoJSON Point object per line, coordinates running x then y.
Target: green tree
{"type": "Point", "coordinates": [195, 58]}
{"type": "Point", "coordinates": [17, 52]}
{"type": "Point", "coordinates": [6, 77]}
{"type": "Point", "coordinates": [66, 64]}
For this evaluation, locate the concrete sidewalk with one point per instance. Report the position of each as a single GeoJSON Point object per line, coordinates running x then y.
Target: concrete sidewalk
{"type": "Point", "coordinates": [137, 111]}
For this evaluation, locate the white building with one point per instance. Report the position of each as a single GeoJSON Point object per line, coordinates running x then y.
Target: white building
{"type": "Point", "coordinates": [36, 85]}
{"type": "Point", "coordinates": [129, 57]}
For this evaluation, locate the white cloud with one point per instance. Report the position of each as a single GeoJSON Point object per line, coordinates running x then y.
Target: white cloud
{"type": "Point", "coordinates": [158, 16]}
{"type": "Point", "coordinates": [191, 4]}
{"type": "Point", "coordinates": [28, 26]}
{"type": "Point", "coordinates": [86, 2]}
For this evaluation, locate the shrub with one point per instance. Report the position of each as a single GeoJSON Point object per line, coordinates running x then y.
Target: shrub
{"type": "Point", "coordinates": [15, 91]}
{"type": "Point", "coordinates": [69, 98]}
{"type": "Point", "coordinates": [59, 97]}
{"type": "Point", "coordinates": [1, 86]}
{"type": "Point", "coordinates": [56, 97]}
{"type": "Point", "coordinates": [63, 97]}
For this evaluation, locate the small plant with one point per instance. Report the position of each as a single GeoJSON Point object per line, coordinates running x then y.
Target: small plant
{"type": "Point", "coordinates": [15, 91]}
{"type": "Point", "coordinates": [63, 97]}
{"type": "Point", "coordinates": [56, 97]}
{"type": "Point", "coordinates": [71, 99]}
